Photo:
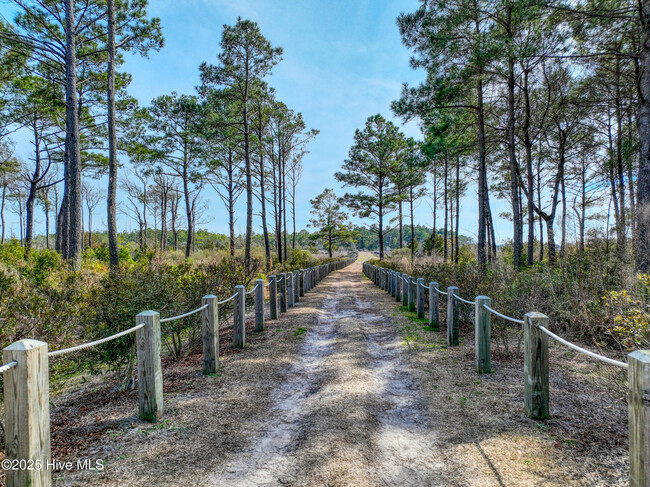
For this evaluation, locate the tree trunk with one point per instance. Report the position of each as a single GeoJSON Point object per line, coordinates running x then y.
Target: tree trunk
{"type": "Point", "coordinates": [2, 207]}
{"type": "Point", "coordinates": [265, 229]}
{"type": "Point", "coordinates": [329, 240]}
{"type": "Point", "coordinates": [512, 158]}
{"type": "Point", "coordinates": [249, 187]}
{"type": "Point", "coordinates": [446, 198]}
{"type": "Point", "coordinates": [482, 166]}
{"type": "Point", "coordinates": [401, 228]}
{"type": "Point", "coordinates": [72, 139]}
{"type": "Point", "coordinates": [90, 227]}
{"type": "Point", "coordinates": [381, 224]}
{"type": "Point", "coordinates": [47, 221]}
{"type": "Point", "coordinates": [643, 124]}
{"type": "Point", "coordinates": [457, 207]}
{"type": "Point", "coordinates": [111, 199]}
{"type": "Point", "coordinates": [619, 166]}
{"type": "Point", "coordinates": [564, 215]}
{"type": "Point", "coordinates": [551, 241]}
{"type": "Point", "coordinates": [188, 210]}
{"type": "Point", "coordinates": [435, 207]}
{"type": "Point", "coordinates": [530, 179]}
{"type": "Point", "coordinates": [33, 183]}
{"type": "Point", "coordinates": [539, 205]}
{"type": "Point", "coordinates": [412, 225]}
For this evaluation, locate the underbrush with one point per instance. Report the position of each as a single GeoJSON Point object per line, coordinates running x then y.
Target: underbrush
{"type": "Point", "coordinates": [40, 297]}
{"type": "Point", "coordinates": [588, 298]}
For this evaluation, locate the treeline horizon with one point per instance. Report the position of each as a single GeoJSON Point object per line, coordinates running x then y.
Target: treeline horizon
{"type": "Point", "coordinates": [364, 238]}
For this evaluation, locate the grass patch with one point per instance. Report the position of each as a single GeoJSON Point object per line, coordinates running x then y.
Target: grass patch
{"type": "Point", "coordinates": [299, 332]}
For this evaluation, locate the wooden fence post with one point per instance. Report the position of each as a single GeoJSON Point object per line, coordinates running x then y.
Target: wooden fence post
{"type": "Point", "coordinates": [273, 297]}
{"type": "Point", "coordinates": [482, 334]}
{"type": "Point", "coordinates": [27, 412]}
{"type": "Point", "coordinates": [296, 286]}
{"type": "Point", "coordinates": [283, 292]}
{"type": "Point", "coordinates": [405, 290]}
{"type": "Point", "coordinates": [398, 287]}
{"type": "Point", "coordinates": [434, 306]}
{"type": "Point", "coordinates": [536, 366]}
{"type": "Point", "coordinates": [150, 384]}
{"type": "Point", "coordinates": [289, 277]}
{"type": "Point", "coordinates": [259, 305]}
{"type": "Point", "coordinates": [395, 282]}
{"type": "Point", "coordinates": [210, 327]}
{"type": "Point", "coordinates": [239, 318]}
{"type": "Point", "coordinates": [412, 294]}
{"type": "Point", "coordinates": [638, 404]}
{"type": "Point", "coordinates": [302, 283]}
{"type": "Point", "coordinates": [453, 330]}
{"type": "Point", "coordinates": [420, 295]}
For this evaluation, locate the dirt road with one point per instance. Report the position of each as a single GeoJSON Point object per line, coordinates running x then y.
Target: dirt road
{"type": "Point", "coordinates": [347, 410]}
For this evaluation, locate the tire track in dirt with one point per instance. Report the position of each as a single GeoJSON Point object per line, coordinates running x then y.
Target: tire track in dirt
{"type": "Point", "coordinates": [348, 411]}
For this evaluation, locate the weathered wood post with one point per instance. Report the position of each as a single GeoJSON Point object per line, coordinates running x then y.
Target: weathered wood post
{"type": "Point", "coordinates": [395, 282]}
{"type": "Point", "coordinates": [210, 328]}
{"type": "Point", "coordinates": [27, 413]}
{"type": "Point", "coordinates": [150, 384]}
{"type": "Point", "coordinates": [638, 403]}
{"type": "Point", "coordinates": [536, 366]}
{"type": "Point", "coordinates": [289, 277]}
{"type": "Point", "coordinates": [398, 287]}
{"type": "Point", "coordinates": [412, 293]}
{"type": "Point", "coordinates": [482, 333]}
{"type": "Point", "coordinates": [273, 297]}
{"type": "Point", "coordinates": [239, 318]}
{"type": "Point", "coordinates": [283, 293]}
{"type": "Point", "coordinates": [259, 305]}
{"type": "Point", "coordinates": [405, 290]}
{"type": "Point", "coordinates": [434, 306]}
{"type": "Point", "coordinates": [420, 295]}
{"type": "Point", "coordinates": [296, 286]}
{"type": "Point", "coordinates": [453, 330]}
{"type": "Point", "coordinates": [302, 283]}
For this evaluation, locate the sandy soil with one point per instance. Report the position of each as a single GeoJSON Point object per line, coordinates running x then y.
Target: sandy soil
{"type": "Point", "coordinates": [346, 389]}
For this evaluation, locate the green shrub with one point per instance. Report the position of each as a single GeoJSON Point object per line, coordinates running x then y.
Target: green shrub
{"type": "Point", "coordinates": [41, 264]}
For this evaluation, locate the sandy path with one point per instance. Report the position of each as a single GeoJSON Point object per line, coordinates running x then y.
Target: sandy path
{"type": "Point", "coordinates": [347, 412]}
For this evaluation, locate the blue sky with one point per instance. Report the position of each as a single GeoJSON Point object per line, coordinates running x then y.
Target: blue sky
{"type": "Point", "coordinates": [343, 61]}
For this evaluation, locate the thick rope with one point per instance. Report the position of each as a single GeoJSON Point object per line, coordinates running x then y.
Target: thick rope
{"type": "Point", "coordinates": [514, 320]}
{"type": "Point", "coordinates": [226, 300]}
{"type": "Point", "coordinates": [189, 313]}
{"type": "Point", "coordinates": [8, 366]}
{"type": "Point", "coordinates": [96, 342]}
{"type": "Point", "coordinates": [582, 350]}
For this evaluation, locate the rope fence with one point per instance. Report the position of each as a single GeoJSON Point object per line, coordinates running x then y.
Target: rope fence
{"type": "Point", "coordinates": [56, 353]}
{"type": "Point", "coordinates": [26, 365]}
{"type": "Point", "coordinates": [456, 296]}
{"type": "Point", "coordinates": [500, 315]}
{"type": "Point", "coordinates": [184, 315]}
{"type": "Point", "coordinates": [227, 299]}
{"type": "Point", "coordinates": [575, 347]}
{"type": "Point", "coordinates": [536, 366]}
